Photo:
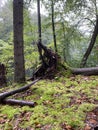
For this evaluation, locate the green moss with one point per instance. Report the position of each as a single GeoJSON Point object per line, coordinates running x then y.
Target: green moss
{"type": "Point", "coordinates": [8, 126]}
{"type": "Point", "coordinates": [56, 104]}
{"type": "Point", "coordinates": [85, 107]}
{"type": "Point", "coordinates": [9, 111]}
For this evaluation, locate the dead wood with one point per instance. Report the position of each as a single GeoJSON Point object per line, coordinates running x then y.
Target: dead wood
{"type": "Point", "coordinates": [2, 75]}
{"type": "Point", "coordinates": [49, 61]}
{"type": "Point", "coordinates": [85, 71]}
{"type": "Point", "coordinates": [24, 88]}
{"type": "Point", "coordinates": [80, 71]}
{"type": "Point", "coordinates": [18, 102]}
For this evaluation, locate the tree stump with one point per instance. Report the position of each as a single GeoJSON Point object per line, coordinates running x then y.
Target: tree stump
{"type": "Point", "coordinates": [48, 65]}
{"type": "Point", "coordinates": [2, 75]}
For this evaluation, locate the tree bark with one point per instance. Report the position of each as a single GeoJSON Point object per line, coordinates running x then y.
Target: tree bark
{"type": "Point", "coordinates": [2, 75]}
{"type": "Point", "coordinates": [53, 26]}
{"type": "Point", "coordinates": [65, 48]}
{"type": "Point", "coordinates": [19, 73]}
{"type": "Point", "coordinates": [19, 102]}
{"type": "Point", "coordinates": [90, 47]}
{"type": "Point", "coordinates": [85, 71]}
{"type": "Point", "coordinates": [39, 32]}
{"type": "Point", "coordinates": [39, 21]}
{"type": "Point", "coordinates": [24, 88]}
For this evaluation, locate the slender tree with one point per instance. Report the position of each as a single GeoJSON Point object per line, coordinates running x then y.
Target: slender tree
{"type": "Point", "coordinates": [39, 21]}
{"type": "Point", "coordinates": [91, 45]}
{"type": "Point", "coordinates": [39, 31]}
{"type": "Point", "coordinates": [53, 25]}
{"type": "Point", "coordinates": [19, 73]}
{"type": "Point", "coordinates": [94, 35]}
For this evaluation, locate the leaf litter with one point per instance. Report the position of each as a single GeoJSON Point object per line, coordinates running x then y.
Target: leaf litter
{"type": "Point", "coordinates": [65, 95]}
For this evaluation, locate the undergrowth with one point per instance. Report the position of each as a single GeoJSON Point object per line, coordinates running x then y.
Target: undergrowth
{"type": "Point", "coordinates": [61, 103]}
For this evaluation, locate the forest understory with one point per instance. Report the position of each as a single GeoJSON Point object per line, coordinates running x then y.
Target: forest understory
{"type": "Point", "coordinates": [64, 103]}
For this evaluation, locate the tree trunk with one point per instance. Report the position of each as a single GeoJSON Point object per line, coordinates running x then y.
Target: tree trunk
{"type": "Point", "coordinates": [39, 32]}
{"type": "Point", "coordinates": [2, 75]}
{"type": "Point", "coordinates": [53, 26]}
{"type": "Point", "coordinates": [90, 47]}
{"type": "Point", "coordinates": [19, 73]}
{"type": "Point", "coordinates": [39, 21]}
{"type": "Point", "coordinates": [64, 48]}
{"type": "Point", "coordinates": [85, 71]}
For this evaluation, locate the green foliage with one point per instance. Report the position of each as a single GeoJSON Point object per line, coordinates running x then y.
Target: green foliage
{"type": "Point", "coordinates": [6, 20]}
{"type": "Point", "coordinates": [6, 57]}
{"type": "Point", "coordinates": [74, 23]}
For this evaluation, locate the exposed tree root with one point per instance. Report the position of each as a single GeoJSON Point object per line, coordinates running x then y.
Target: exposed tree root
{"type": "Point", "coordinates": [49, 63]}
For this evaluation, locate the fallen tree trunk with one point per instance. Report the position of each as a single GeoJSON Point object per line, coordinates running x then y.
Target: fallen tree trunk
{"type": "Point", "coordinates": [18, 102]}
{"type": "Point", "coordinates": [24, 88]}
{"type": "Point", "coordinates": [85, 71]}
{"type": "Point", "coordinates": [79, 71]}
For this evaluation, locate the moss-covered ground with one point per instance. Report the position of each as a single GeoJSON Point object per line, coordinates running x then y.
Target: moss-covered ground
{"type": "Point", "coordinates": [62, 104]}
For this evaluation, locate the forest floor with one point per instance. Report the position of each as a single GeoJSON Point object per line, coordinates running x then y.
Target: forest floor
{"type": "Point", "coordinates": [64, 103]}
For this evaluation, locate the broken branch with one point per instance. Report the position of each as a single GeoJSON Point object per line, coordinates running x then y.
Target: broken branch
{"type": "Point", "coordinates": [24, 88]}
{"type": "Point", "coordinates": [19, 102]}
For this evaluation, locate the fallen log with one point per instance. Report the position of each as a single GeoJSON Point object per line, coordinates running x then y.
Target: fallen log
{"type": "Point", "coordinates": [80, 71]}
{"type": "Point", "coordinates": [85, 71]}
{"type": "Point", "coordinates": [24, 88]}
{"type": "Point", "coordinates": [18, 102]}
